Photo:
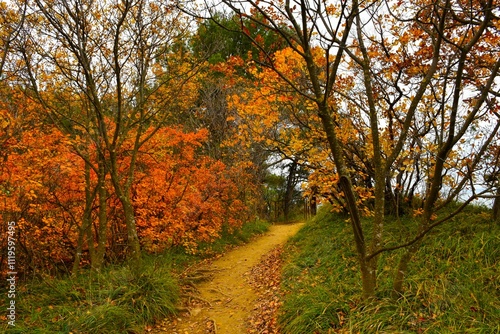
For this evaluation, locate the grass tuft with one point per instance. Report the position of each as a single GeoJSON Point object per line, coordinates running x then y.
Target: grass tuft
{"type": "Point", "coordinates": [117, 300]}
{"type": "Point", "coordinates": [105, 318]}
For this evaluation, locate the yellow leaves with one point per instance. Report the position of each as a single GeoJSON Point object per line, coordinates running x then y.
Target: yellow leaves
{"type": "Point", "coordinates": [290, 62]}
{"type": "Point", "coordinates": [405, 38]}
{"type": "Point", "coordinates": [332, 10]}
{"type": "Point", "coordinates": [265, 91]}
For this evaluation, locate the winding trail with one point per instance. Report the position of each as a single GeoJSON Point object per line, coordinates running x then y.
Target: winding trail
{"type": "Point", "coordinates": [223, 304]}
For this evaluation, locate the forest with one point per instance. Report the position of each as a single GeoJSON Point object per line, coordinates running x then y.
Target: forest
{"type": "Point", "coordinates": [135, 128]}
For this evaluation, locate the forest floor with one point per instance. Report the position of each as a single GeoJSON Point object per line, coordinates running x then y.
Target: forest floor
{"type": "Point", "coordinates": [235, 293]}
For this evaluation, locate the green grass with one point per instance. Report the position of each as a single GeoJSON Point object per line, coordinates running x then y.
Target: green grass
{"type": "Point", "coordinates": [453, 285]}
{"type": "Point", "coordinates": [117, 300]}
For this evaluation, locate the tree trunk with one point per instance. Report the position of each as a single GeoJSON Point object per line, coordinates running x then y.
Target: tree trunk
{"type": "Point", "coordinates": [290, 185]}
{"type": "Point", "coordinates": [402, 269]}
{"type": "Point", "coordinates": [123, 194]}
{"type": "Point", "coordinates": [313, 205]}
{"type": "Point", "coordinates": [81, 228]}
{"type": "Point", "coordinates": [103, 217]}
{"type": "Point", "coordinates": [368, 273]}
{"type": "Point", "coordinates": [432, 194]}
{"type": "Point", "coordinates": [368, 278]}
{"type": "Point", "coordinates": [133, 239]}
{"type": "Point", "coordinates": [86, 222]}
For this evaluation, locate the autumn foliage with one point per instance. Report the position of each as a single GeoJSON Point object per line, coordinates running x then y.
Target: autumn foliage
{"type": "Point", "coordinates": [128, 130]}
{"type": "Point", "coordinates": [104, 153]}
{"type": "Point", "coordinates": [392, 108]}
{"type": "Point", "coordinates": [180, 195]}
{"type": "Point", "coordinates": [182, 198]}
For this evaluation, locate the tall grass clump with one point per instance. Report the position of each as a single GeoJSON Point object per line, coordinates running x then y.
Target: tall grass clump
{"type": "Point", "coordinates": [453, 285]}
{"type": "Point", "coordinates": [117, 300]}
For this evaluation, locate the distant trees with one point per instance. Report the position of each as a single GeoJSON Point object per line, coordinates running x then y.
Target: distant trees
{"type": "Point", "coordinates": [231, 56]}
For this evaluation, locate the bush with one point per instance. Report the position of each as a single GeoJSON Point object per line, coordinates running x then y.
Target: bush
{"type": "Point", "coordinates": [120, 299]}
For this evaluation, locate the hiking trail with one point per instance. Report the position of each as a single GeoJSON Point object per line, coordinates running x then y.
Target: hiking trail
{"type": "Point", "coordinates": [218, 297]}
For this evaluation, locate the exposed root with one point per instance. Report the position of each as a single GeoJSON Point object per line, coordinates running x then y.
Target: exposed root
{"type": "Point", "coordinates": [195, 279]}
{"type": "Point", "coordinates": [191, 296]}
{"type": "Point", "coordinates": [220, 292]}
{"type": "Point", "coordinates": [192, 276]}
{"type": "Point", "coordinates": [184, 309]}
{"type": "Point", "coordinates": [189, 288]}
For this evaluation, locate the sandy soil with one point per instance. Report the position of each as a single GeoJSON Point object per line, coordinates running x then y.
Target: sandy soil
{"type": "Point", "coordinates": [223, 304]}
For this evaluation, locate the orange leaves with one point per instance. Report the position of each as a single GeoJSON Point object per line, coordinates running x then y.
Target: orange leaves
{"type": "Point", "coordinates": [40, 186]}
{"type": "Point", "coordinates": [288, 61]}
{"type": "Point", "coordinates": [182, 198]}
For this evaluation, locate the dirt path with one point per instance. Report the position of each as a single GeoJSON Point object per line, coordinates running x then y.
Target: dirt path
{"type": "Point", "coordinates": [223, 304]}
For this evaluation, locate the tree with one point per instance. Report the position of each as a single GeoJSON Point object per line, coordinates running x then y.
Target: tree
{"type": "Point", "coordinates": [420, 77]}
{"type": "Point", "coordinates": [492, 177]}
{"type": "Point", "coordinates": [444, 70]}
{"type": "Point", "coordinates": [101, 158]}
{"type": "Point", "coordinates": [228, 52]}
{"type": "Point", "coordinates": [117, 61]}
{"type": "Point", "coordinates": [222, 38]}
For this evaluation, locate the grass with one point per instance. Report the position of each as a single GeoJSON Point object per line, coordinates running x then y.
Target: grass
{"type": "Point", "coordinates": [117, 300]}
{"type": "Point", "coordinates": [453, 285]}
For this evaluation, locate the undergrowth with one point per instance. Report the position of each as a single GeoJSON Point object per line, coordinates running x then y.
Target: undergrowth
{"type": "Point", "coordinates": [116, 300]}
{"type": "Point", "coordinates": [453, 285]}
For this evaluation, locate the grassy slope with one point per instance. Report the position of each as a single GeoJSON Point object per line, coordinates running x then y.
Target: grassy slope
{"type": "Point", "coordinates": [453, 287]}
{"type": "Point", "coordinates": [115, 301]}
